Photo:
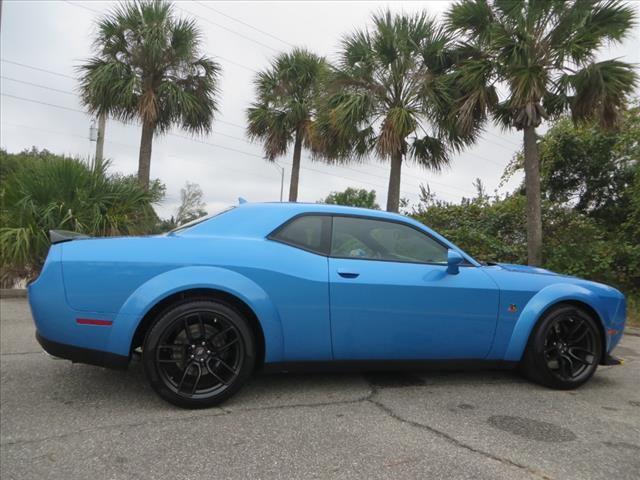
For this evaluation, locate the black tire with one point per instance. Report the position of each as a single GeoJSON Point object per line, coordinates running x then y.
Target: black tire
{"type": "Point", "coordinates": [564, 348]}
{"type": "Point", "coordinates": [198, 353]}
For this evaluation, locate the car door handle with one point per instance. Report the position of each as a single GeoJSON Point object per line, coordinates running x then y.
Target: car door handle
{"type": "Point", "coordinates": [347, 274]}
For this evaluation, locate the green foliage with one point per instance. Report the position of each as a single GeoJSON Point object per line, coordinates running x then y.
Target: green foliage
{"type": "Point", "coordinates": [286, 100]}
{"type": "Point", "coordinates": [353, 197]}
{"type": "Point", "coordinates": [41, 191]}
{"type": "Point", "coordinates": [391, 94]}
{"type": "Point", "coordinates": [544, 52]}
{"type": "Point", "coordinates": [149, 66]}
{"type": "Point", "coordinates": [596, 173]}
{"type": "Point", "coordinates": [594, 169]}
{"type": "Point", "coordinates": [492, 230]}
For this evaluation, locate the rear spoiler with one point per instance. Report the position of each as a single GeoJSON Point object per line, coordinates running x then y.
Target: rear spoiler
{"type": "Point", "coordinates": [59, 236]}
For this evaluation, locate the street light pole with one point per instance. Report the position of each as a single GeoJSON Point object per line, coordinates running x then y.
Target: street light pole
{"type": "Point", "coordinates": [102, 124]}
{"type": "Point", "coordinates": [277, 165]}
{"type": "Point", "coordinates": [97, 135]}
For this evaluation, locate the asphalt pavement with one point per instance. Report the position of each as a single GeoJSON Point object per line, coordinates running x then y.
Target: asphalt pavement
{"type": "Point", "coordinates": [60, 420]}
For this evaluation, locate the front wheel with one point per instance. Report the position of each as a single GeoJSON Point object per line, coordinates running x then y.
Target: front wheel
{"type": "Point", "coordinates": [564, 349]}
{"type": "Point", "coordinates": [198, 353]}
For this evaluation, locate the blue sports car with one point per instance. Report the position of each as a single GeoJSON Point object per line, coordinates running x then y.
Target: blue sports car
{"type": "Point", "coordinates": [288, 285]}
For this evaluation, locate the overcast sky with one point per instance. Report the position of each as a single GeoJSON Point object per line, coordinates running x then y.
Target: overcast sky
{"type": "Point", "coordinates": [57, 35]}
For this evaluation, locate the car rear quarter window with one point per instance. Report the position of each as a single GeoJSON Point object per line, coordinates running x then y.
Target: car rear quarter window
{"type": "Point", "coordinates": [309, 232]}
{"type": "Point", "coordinates": [364, 238]}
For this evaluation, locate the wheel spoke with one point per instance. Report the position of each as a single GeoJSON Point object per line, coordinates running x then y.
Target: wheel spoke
{"type": "Point", "coordinates": [226, 365]}
{"type": "Point", "coordinates": [227, 346]}
{"type": "Point", "coordinates": [216, 376]}
{"type": "Point", "coordinates": [202, 329]}
{"type": "Point", "coordinates": [215, 335]}
{"type": "Point", "coordinates": [562, 364]}
{"type": "Point", "coordinates": [187, 329]}
{"type": "Point", "coordinates": [184, 375]}
{"type": "Point", "coordinates": [588, 359]}
{"type": "Point", "coordinates": [190, 363]}
{"type": "Point", "coordinates": [195, 384]}
{"type": "Point", "coordinates": [580, 337]}
{"type": "Point", "coordinates": [172, 349]}
{"type": "Point", "coordinates": [575, 330]}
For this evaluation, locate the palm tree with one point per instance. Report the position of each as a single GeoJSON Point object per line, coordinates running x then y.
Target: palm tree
{"type": "Point", "coordinates": [544, 55]}
{"type": "Point", "coordinates": [287, 94]}
{"type": "Point", "coordinates": [390, 95]}
{"type": "Point", "coordinates": [149, 67]}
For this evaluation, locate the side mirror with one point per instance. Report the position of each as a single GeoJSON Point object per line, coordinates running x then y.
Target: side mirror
{"type": "Point", "coordinates": [454, 259]}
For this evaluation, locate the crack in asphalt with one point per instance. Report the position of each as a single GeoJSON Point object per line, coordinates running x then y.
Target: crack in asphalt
{"type": "Point", "coordinates": [220, 411]}
{"type": "Point", "coordinates": [452, 440]}
{"type": "Point", "coordinates": [368, 398]}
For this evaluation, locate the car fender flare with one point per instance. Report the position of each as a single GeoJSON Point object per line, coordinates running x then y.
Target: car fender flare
{"type": "Point", "coordinates": [538, 305]}
{"type": "Point", "coordinates": [150, 293]}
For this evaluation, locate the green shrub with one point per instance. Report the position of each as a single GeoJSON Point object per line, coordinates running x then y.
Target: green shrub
{"type": "Point", "coordinates": [41, 191]}
{"type": "Point", "coordinates": [493, 230]}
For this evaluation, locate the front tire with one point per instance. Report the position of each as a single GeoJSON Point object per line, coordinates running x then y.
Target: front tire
{"type": "Point", "coordinates": [198, 353]}
{"type": "Point", "coordinates": [564, 349]}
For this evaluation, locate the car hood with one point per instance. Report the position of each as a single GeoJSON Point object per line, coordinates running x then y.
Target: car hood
{"type": "Point", "coordinates": [512, 267]}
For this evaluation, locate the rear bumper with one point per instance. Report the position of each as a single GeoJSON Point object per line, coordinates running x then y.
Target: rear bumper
{"type": "Point", "coordinates": [83, 355]}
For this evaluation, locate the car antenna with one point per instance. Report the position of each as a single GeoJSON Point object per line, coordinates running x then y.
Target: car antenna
{"type": "Point", "coordinates": [241, 200]}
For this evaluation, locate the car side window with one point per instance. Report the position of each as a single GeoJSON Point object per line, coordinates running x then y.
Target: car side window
{"type": "Point", "coordinates": [381, 240]}
{"type": "Point", "coordinates": [310, 232]}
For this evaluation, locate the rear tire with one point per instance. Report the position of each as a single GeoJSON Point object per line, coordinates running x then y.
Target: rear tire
{"type": "Point", "coordinates": [199, 353]}
{"type": "Point", "coordinates": [564, 349]}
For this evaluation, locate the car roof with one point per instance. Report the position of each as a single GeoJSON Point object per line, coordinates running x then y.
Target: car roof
{"type": "Point", "coordinates": [261, 218]}
{"type": "Point", "coordinates": [302, 207]}
{"type": "Point", "coordinates": [257, 220]}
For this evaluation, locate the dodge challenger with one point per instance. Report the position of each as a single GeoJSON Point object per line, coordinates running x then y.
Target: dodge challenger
{"type": "Point", "coordinates": [283, 286]}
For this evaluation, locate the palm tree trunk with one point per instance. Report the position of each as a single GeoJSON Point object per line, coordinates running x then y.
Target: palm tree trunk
{"type": "Point", "coordinates": [532, 186]}
{"type": "Point", "coordinates": [295, 168]}
{"type": "Point", "coordinates": [393, 197]}
{"type": "Point", "coordinates": [144, 159]}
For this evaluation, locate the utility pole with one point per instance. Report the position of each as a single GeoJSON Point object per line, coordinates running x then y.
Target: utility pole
{"type": "Point", "coordinates": [102, 123]}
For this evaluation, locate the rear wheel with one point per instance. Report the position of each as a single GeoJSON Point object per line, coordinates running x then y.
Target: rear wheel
{"type": "Point", "coordinates": [198, 353]}
{"type": "Point", "coordinates": [564, 349]}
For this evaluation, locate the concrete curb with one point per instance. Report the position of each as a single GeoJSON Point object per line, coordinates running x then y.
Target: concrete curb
{"type": "Point", "coordinates": [13, 292]}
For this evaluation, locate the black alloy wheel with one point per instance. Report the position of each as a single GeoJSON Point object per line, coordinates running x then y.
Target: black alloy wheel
{"type": "Point", "coordinates": [564, 349]}
{"type": "Point", "coordinates": [199, 353]}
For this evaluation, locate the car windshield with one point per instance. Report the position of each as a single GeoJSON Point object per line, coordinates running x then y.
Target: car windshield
{"type": "Point", "coordinates": [197, 221]}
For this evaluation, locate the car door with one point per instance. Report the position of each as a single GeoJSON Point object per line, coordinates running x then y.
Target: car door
{"type": "Point", "coordinates": [392, 298]}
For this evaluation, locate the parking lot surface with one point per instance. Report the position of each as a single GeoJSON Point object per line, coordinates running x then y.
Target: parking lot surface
{"type": "Point", "coordinates": [67, 421]}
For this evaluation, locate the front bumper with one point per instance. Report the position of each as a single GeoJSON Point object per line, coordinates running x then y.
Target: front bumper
{"type": "Point", "coordinates": [83, 355]}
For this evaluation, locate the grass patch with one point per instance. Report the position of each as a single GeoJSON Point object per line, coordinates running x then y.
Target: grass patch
{"type": "Point", "coordinates": [633, 310]}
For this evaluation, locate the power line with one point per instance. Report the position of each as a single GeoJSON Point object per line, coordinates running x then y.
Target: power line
{"type": "Point", "coordinates": [229, 29]}
{"type": "Point", "coordinates": [233, 62]}
{"type": "Point", "coordinates": [253, 70]}
{"type": "Point", "coordinates": [506, 140]}
{"type": "Point", "coordinates": [82, 6]}
{"type": "Point", "coordinates": [42, 103]}
{"type": "Point", "coordinates": [210, 144]}
{"type": "Point", "coordinates": [244, 23]}
{"type": "Point", "coordinates": [84, 137]}
{"type": "Point", "coordinates": [29, 127]}
{"type": "Point", "coordinates": [37, 68]}
{"type": "Point", "coordinates": [68, 92]}
{"type": "Point", "coordinates": [38, 85]}
{"type": "Point", "coordinates": [235, 150]}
